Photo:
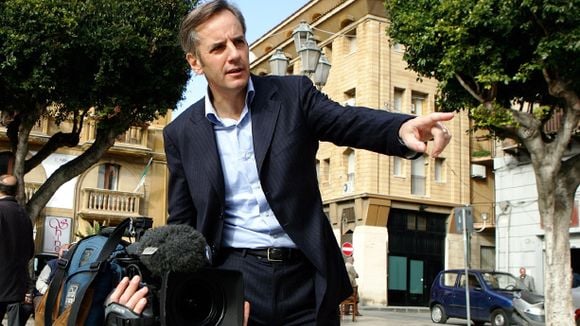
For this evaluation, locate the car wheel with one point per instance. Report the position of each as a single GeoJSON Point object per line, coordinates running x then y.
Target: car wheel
{"type": "Point", "coordinates": [499, 318]}
{"type": "Point", "coordinates": [438, 314]}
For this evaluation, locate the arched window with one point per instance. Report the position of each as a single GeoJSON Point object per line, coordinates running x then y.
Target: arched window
{"type": "Point", "coordinates": [108, 176]}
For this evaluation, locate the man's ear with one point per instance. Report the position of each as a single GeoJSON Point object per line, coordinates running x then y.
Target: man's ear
{"type": "Point", "coordinates": [194, 63]}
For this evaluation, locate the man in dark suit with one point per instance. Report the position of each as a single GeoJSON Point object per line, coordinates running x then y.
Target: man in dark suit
{"type": "Point", "coordinates": [243, 170]}
{"type": "Point", "coordinates": [16, 249]}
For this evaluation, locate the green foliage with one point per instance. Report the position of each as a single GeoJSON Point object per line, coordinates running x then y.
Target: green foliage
{"type": "Point", "coordinates": [104, 54]}
{"type": "Point", "coordinates": [499, 48]}
{"type": "Point", "coordinates": [491, 118]}
{"type": "Point", "coordinates": [481, 153]}
{"type": "Point", "coordinates": [92, 229]}
{"type": "Point", "coordinates": [542, 112]}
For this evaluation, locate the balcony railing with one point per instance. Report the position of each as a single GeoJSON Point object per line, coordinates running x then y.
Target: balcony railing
{"type": "Point", "coordinates": [110, 203]}
{"type": "Point", "coordinates": [135, 136]}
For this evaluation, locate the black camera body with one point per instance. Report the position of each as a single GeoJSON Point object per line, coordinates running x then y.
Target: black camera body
{"type": "Point", "coordinates": [172, 262]}
{"type": "Point", "coordinates": [208, 296]}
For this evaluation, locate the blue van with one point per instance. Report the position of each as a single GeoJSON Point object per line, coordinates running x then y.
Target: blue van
{"type": "Point", "coordinates": [494, 297]}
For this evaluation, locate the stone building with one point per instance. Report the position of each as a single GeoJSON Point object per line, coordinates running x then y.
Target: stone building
{"type": "Point", "coordinates": [129, 181]}
{"type": "Point", "coordinates": [396, 213]}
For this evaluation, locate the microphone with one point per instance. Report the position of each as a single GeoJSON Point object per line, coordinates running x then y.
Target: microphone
{"type": "Point", "coordinates": [172, 248]}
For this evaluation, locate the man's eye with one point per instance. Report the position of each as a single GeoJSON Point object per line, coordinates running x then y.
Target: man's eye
{"type": "Point", "coordinates": [217, 48]}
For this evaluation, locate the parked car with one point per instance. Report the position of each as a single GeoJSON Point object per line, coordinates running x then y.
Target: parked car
{"type": "Point", "coordinates": [493, 296]}
{"type": "Point", "coordinates": [576, 304]}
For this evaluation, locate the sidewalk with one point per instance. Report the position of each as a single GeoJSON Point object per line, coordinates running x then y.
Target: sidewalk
{"type": "Point", "coordinates": [390, 316]}
{"type": "Point", "coordinates": [373, 316]}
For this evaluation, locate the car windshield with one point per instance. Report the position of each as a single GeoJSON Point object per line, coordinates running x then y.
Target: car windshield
{"type": "Point", "coordinates": [501, 281]}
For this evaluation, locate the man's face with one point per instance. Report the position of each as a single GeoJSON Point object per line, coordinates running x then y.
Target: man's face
{"type": "Point", "coordinates": [522, 271]}
{"type": "Point", "coordinates": [223, 53]}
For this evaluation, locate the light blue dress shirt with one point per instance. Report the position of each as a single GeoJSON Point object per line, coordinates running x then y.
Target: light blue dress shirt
{"type": "Point", "coordinates": [249, 222]}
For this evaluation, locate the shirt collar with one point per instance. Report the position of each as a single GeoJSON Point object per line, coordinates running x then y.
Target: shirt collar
{"type": "Point", "coordinates": [210, 112]}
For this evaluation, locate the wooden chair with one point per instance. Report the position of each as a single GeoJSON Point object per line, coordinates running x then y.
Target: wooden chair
{"type": "Point", "coordinates": [350, 304]}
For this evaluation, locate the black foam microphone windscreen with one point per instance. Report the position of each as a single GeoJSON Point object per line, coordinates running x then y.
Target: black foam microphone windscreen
{"type": "Point", "coordinates": [172, 248]}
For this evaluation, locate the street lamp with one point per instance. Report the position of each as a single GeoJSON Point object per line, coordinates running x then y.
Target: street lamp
{"type": "Point", "coordinates": [314, 62]}
{"type": "Point", "coordinates": [301, 34]}
{"type": "Point", "coordinates": [278, 63]}
{"type": "Point", "coordinates": [309, 54]}
{"type": "Point", "coordinates": [321, 72]}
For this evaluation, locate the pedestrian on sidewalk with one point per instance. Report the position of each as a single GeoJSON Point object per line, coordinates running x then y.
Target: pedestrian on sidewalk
{"type": "Point", "coordinates": [16, 250]}
{"type": "Point", "coordinates": [352, 275]}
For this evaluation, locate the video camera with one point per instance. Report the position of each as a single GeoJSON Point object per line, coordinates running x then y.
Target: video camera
{"type": "Point", "coordinates": [183, 290]}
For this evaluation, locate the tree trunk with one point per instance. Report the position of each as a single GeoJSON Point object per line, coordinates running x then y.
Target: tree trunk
{"type": "Point", "coordinates": [27, 121]}
{"type": "Point", "coordinates": [555, 205]}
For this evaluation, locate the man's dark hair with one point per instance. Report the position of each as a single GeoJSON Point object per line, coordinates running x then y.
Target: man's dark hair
{"type": "Point", "coordinates": [198, 16]}
{"type": "Point", "coordinates": [7, 186]}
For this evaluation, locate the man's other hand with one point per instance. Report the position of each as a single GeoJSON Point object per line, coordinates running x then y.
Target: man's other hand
{"type": "Point", "coordinates": [415, 133]}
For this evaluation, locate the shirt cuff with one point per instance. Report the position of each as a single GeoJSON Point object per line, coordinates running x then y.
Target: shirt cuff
{"type": "Point", "coordinates": [407, 152]}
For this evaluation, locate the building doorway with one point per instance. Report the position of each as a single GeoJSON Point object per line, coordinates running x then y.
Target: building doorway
{"type": "Point", "coordinates": [416, 255]}
{"type": "Point", "coordinates": [575, 260]}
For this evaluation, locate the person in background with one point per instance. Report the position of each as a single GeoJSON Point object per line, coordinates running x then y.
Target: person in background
{"type": "Point", "coordinates": [242, 164]}
{"type": "Point", "coordinates": [526, 281]}
{"type": "Point", "coordinates": [48, 271]}
{"type": "Point", "coordinates": [16, 250]}
{"type": "Point", "coordinates": [352, 275]}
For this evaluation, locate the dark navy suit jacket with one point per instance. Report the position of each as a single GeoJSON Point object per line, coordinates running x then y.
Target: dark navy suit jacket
{"type": "Point", "coordinates": [289, 118]}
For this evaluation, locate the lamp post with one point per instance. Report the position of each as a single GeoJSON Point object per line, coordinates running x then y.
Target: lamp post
{"type": "Point", "coordinates": [278, 63]}
{"type": "Point", "coordinates": [314, 62]}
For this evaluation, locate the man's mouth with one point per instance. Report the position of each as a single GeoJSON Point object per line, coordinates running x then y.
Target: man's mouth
{"type": "Point", "coordinates": [234, 71]}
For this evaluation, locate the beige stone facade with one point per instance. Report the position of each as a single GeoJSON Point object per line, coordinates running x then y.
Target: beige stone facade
{"type": "Point", "coordinates": [107, 192]}
{"type": "Point", "coordinates": [363, 190]}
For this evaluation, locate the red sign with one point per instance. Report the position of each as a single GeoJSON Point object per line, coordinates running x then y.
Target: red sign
{"type": "Point", "coordinates": [347, 249]}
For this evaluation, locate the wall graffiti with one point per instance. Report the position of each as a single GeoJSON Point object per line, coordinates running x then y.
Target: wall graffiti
{"type": "Point", "coordinates": [57, 232]}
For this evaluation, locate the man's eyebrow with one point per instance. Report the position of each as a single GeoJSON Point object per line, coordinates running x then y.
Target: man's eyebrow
{"type": "Point", "coordinates": [215, 44]}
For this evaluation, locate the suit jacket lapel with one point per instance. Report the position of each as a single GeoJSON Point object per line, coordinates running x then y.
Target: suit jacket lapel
{"type": "Point", "coordinates": [265, 112]}
{"type": "Point", "coordinates": [203, 138]}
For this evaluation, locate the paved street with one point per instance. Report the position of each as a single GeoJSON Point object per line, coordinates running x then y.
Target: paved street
{"type": "Point", "coordinates": [391, 316]}
{"type": "Point", "coordinates": [395, 316]}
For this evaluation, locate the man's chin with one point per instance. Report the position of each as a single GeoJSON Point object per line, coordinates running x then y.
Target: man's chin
{"type": "Point", "coordinates": [239, 81]}
{"type": "Point", "coordinates": [239, 76]}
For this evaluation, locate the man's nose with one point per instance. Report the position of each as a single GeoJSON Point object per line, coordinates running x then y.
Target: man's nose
{"type": "Point", "coordinates": [234, 52]}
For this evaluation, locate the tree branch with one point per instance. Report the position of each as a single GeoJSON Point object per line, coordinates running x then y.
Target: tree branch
{"type": "Point", "coordinates": [469, 89]}
{"type": "Point", "coordinates": [104, 139]}
{"type": "Point", "coordinates": [561, 89]}
{"type": "Point", "coordinates": [570, 172]}
{"type": "Point", "coordinates": [56, 141]}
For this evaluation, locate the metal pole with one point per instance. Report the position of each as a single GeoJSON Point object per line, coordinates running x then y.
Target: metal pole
{"type": "Point", "coordinates": [466, 267]}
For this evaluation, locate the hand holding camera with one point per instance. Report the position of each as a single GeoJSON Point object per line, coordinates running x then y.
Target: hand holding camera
{"type": "Point", "coordinates": [167, 281]}
{"type": "Point", "coordinates": [129, 295]}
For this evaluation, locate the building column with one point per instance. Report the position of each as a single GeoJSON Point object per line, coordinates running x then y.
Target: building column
{"type": "Point", "coordinates": [370, 245]}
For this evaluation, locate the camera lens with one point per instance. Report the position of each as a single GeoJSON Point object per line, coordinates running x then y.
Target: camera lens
{"type": "Point", "coordinates": [194, 300]}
